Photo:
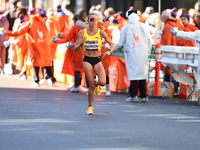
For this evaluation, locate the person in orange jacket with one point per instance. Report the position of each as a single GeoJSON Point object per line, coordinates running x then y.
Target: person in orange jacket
{"type": "Point", "coordinates": [185, 18]}
{"type": "Point", "coordinates": [22, 47]}
{"type": "Point", "coordinates": [38, 46]}
{"type": "Point", "coordinates": [167, 38]}
{"type": "Point", "coordinates": [75, 57]}
{"type": "Point", "coordinates": [52, 27]}
{"type": "Point", "coordinates": [63, 21]}
{"type": "Point", "coordinates": [18, 46]}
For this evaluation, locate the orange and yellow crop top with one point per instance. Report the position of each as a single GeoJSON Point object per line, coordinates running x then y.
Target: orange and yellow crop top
{"type": "Point", "coordinates": [92, 43]}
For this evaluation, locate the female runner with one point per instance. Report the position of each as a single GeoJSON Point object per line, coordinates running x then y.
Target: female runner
{"type": "Point", "coordinates": [90, 39]}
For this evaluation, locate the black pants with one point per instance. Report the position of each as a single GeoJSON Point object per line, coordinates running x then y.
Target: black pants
{"type": "Point", "coordinates": [7, 53]}
{"type": "Point", "coordinates": [47, 71]}
{"type": "Point", "coordinates": [107, 80]}
{"type": "Point", "coordinates": [135, 85]}
{"type": "Point", "coordinates": [77, 78]}
{"type": "Point", "coordinates": [52, 68]}
{"type": "Point", "coordinates": [170, 78]}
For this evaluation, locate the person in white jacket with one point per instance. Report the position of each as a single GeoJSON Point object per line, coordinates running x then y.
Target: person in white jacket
{"type": "Point", "coordinates": [136, 41]}
{"type": "Point", "coordinates": [190, 36]}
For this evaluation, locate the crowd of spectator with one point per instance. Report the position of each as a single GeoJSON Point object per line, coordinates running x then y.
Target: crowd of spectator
{"type": "Point", "coordinates": [32, 36]}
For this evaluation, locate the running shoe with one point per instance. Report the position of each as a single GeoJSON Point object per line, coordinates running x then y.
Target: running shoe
{"type": "Point", "coordinates": [70, 87]}
{"type": "Point", "coordinates": [20, 74]}
{"type": "Point", "coordinates": [42, 81]}
{"type": "Point", "coordinates": [34, 84]}
{"type": "Point", "coordinates": [135, 99]}
{"type": "Point", "coordinates": [145, 99]}
{"type": "Point", "coordinates": [50, 82]}
{"type": "Point", "coordinates": [97, 90]}
{"type": "Point", "coordinates": [74, 90]}
{"type": "Point", "coordinates": [129, 99]}
{"type": "Point", "coordinates": [89, 110]}
{"type": "Point", "coordinates": [132, 99]}
{"type": "Point", "coordinates": [23, 77]}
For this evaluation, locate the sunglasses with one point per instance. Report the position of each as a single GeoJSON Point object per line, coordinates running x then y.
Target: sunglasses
{"type": "Point", "coordinates": [93, 19]}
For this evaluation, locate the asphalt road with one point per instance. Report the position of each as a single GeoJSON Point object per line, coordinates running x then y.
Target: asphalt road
{"type": "Point", "coordinates": [51, 118]}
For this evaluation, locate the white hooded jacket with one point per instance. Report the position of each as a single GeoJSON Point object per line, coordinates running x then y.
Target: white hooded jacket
{"type": "Point", "coordinates": [137, 42]}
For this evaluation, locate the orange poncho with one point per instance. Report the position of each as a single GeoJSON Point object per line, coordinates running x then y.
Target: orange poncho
{"type": "Point", "coordinates": [52, 27]}
{"type": "Point", "coordinates": [167, 38]}
{"type": "Point", "coordinates": [72, 57]}
{"type": "Point", "coordinates": [63, 23]}
{"type": "Point", "coordinates": [38, 41]}
{"type": "Point", "coordinates": [105, 60]}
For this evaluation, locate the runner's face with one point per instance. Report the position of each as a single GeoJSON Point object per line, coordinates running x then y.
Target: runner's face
{"type": "Point", "coordinates": [93, 20]}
